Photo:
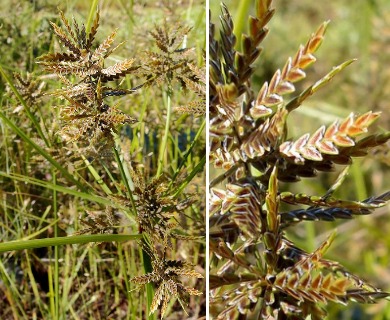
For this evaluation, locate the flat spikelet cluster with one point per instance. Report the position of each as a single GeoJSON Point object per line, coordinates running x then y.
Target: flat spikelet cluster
{"type": "Point", "coordinates": [157, 210]}
{"type": "Point", "coordinates": [86, 117]}
{"type": "Point", "coordinates": [173, 63]}
{"type": "Point", "coordinates": [256, 271]}
{"type": "Point", "coordinates": [196, 107]}
{"type": "Point", "coordinates": [156, 205]}
{"type": "Point", "coordinates": [166, 276]}
{"type": "Point", "coordinates": [29, 88]}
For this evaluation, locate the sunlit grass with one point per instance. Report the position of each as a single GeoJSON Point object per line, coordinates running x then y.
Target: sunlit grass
{"type": "Point", "coordinates": [45, 272]}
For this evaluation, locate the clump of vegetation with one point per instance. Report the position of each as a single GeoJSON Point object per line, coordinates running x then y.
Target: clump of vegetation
{"type": "Point", "coordinates": [256, 270]}
{"type": "Point", "coordinates": [86, 116]}
{"type": "Point", "coordinates": [99, 170]}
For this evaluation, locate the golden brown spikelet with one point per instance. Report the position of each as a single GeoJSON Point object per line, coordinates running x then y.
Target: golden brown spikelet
{"type": "Point", "coordinates": [166, 277]}
{"type": "Point", "coordinates": [87, 118]}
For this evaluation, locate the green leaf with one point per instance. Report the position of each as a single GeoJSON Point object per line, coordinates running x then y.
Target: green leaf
{"type": "Point", "coordinates": [60, 241]}
{"type": "Point", "coordinates": [56, 187]}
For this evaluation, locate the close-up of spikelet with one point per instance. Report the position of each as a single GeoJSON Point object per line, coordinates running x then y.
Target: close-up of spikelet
{"type": "Point", "coordinates": [256, 271]}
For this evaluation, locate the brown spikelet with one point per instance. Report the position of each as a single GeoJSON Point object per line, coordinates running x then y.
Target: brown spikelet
{"type": "Point", "coordinates": [87, 118]}
{"type": "Point", "coordinates": [173, 62]}
{"type": "Point", "coordinates": [118, 70]}
{"type": "Point", "coordinates": [158, 296]}
{"type": "Point", "coordinates": [335, 139]}
{"type": "Point", "coordinates": [104, 46]}
{"type": "Point", "coordinates": [197, 108]}
{"type": "Point", "coordinates": [94, 28]}
{"type": "Point", "coordinates": [29, 88]}
{"type": "Point", "coordinates": [281, 83]}
{"type": "Point", "coordinates": [62, 36]}
{"type": "Point", "coordinates": [166, 275]}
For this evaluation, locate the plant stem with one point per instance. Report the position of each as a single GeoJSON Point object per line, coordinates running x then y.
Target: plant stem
{"type": "Point", "coordinates": [189, 151]}
{"type": "Point", "coordinates": [56, 252]}
{"type": "Point", "coordinates": [91, 14]}
{"type": "Point", "coordinates": [59, 241]}
{"type": "Point", "coordinates": [149, 287]}
{"type": "Point", "coordinates": [240, 21]}
{"type": "Point", "coordinates": [198, 168]}
{"type": "Point", "coordinates": [96, 175]}
{"type": "Point", "coordinates": [166, 134]}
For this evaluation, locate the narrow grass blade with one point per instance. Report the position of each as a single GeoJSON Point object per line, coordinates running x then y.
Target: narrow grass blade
{"type": "Point", "coordinates": [188, 152]}
{"type": "Point", "coordinates": [164, 142]}
{"type": "Point", "coordinates": [124, 178]}
{"type": "Point", "coordinates": [41, 151]}
{"type": "Point", "coordinates": [91, 14]}
{"type": "Point", "coordinates": [198, 168]}
{"type": "Point", "coordinates": [241, 20]}
{"type": "Point", "coordinates": [56, 187]}
{"type": "Point", "coordinates": [60, 241]}
{"type": "Point", "coordinates": [96, 176]}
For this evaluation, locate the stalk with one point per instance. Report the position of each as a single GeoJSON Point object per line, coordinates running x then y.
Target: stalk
{"type": "Point", "coordinates": [166, 134]}
{"type": "Point", "coordinates": [60, 241]}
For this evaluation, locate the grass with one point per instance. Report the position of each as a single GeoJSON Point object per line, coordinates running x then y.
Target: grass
{"type": "Point", "coordinates": [48, 269]}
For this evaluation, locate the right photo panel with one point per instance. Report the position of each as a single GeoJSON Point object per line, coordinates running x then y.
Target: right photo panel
{"type": "Point", "coordinates": [299, 160]}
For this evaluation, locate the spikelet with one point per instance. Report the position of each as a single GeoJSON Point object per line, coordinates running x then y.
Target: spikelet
{"type": "Point", "coordinates": [104, 46]}
{"type": "Point", "coordinates": [92, 33]}
{"type": "Point", "coordinates": [172, 62]}
{"type": "Point", "coordinates": [87, 119]}
{"type": "Point", "coordinates": [118, 70]}
{"type": "Point", "coordinates": [62, 36]}
{"type": "Point", "coordinates": [166, 276]}
{"type": "Point", "coordinates": [337, 138]}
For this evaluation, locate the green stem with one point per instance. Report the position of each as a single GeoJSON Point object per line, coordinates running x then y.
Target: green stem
{"type": "Point", "coordinates": [96, 176]}
{"type": "Point", "coordinates": [166, 134]}
{"type": "Point", "coordinates": [198, 168]}
{"type": "Point", "coordinates": [56, 252]}
{"type": "Point", "coordinates": [60, 241]}
{"type": "Point", "coordinates": [91, 14]}
{"type": "Point", "coordinates": [125, 180]}
{"type": "Point", "coordinates": [240, 20]}
{"type": "Point", "coordinates": [149, 287]}
{"type": "Point", "coordinates": [51, 295]}
{"type": "Point", "coordinates": [188, 152]}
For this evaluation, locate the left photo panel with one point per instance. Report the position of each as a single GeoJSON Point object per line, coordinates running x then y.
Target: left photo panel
{"type": "Point", "coordinates": [102, 159]}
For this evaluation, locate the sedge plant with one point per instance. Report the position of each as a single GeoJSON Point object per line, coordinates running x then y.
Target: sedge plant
{"type": "Point", "coordinates": [99, 176]}
{"type": "Point", "coordinates": [257, 271]}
